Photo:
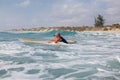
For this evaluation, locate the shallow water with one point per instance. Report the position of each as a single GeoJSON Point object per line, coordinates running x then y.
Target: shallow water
{"type": "Point", "coordinates": [95, 56]}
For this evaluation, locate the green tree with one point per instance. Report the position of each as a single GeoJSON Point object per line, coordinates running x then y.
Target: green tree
{"type": "Point", "coordinates": [99, 21]}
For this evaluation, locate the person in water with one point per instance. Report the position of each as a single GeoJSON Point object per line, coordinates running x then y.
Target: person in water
{"type": "Point", "coordinates": [58, 38]}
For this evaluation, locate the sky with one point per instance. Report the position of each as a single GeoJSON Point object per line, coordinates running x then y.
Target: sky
{"type": "Point", "coordinates": [16, 14]}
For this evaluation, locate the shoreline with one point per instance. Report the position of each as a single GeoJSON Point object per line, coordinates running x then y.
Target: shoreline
{"type": "Point", "coordinates": [112, 29]}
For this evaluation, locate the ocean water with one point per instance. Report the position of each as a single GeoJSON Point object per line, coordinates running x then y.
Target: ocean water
{"type": "Point", "coordinates": [95, 56]}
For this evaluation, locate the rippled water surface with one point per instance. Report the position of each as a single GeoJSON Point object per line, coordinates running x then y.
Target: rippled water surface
{"type": "Point", "coordinates": [95, 56]}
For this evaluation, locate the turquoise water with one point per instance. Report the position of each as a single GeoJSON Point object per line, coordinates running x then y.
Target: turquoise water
{"type": "Point", "coordinates": [95, 56]}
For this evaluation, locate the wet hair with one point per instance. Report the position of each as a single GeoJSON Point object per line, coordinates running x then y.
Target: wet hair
{"type": "Point", "coordinates": [57, 34]}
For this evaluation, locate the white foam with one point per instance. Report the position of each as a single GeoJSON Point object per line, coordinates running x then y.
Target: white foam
{"type": "Point", "coordinates": [106, 73]}
{"type": "Point", "coordinates": [12, 48]}
{"type": "Point", "coordinates": [118, 58]}
{"type": "Point", "coordinates": [69, 74]}
{"type": "Point", "coordinates": [88, 53]}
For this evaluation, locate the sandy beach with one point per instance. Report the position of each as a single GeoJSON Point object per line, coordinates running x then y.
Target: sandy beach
{"type": "Point", "coordinates": [112, 29]}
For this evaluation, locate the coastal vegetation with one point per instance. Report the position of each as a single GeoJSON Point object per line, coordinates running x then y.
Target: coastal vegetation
{"type": "Point", "coordinates": [99, 21]}
{"type": "Point", "coordinates": [98, 26]}
{"type": "Point", "coordinates": [114, 27]}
